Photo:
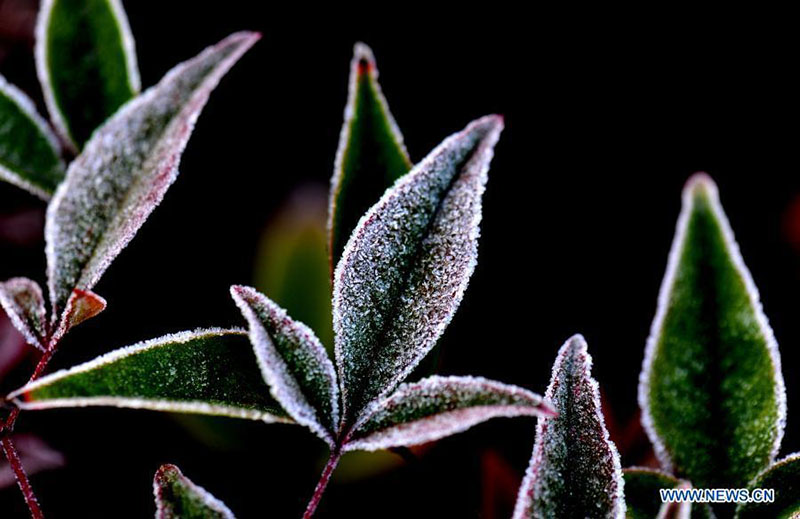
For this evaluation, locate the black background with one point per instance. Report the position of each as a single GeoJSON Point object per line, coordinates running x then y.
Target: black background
{"type": "Point", "coordinates": [604, 123]}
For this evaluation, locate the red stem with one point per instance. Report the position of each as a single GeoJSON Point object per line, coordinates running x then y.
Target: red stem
{"type": "Point", "coordinates": [324, 479]}
{"type": "Point", "coordinates": [22, 478]}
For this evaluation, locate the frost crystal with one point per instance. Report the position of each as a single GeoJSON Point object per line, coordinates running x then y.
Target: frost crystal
{"type": "Point", "coordinates": [22, 300]}
{"type": "Point", "coordinates": [407, 264]}
{"type": "Point", "coordinates": [575, 468]}
{"type": "Point", "coordinates": [711, 389]}
{"type": "Point", "coordinates": [437, 407]}
{"type": "Point", "coordinates": [784, 478]}
{"type": "Point", "coordinates": [293, 362]}
{"type": "Point", "coordinates": [125, 169]}
{"type": "Point", "coordinates": [177, 497]}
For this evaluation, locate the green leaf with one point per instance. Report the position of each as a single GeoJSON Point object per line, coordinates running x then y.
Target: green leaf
{"type": "Point", "coordinates": [407, 265]}
{"type": "Point", "coordinates": [29, 152]}
{"type": "Point", "coordinates": [642, 496]}
{"type": "Point", "coordinates": [22, 300]}
{"type": "Point", "coordinates": [125, 170]}
{"type": "Point", "coordinates": [783, 477]}
{"type": "Point", "coordinates": [575, 469]}
{"type": "Point", "coordinates": [437, 407]}
{"type": "Point", "coordinates": [371, 154]}
{"type": "Point", "coordinates": [177, 497]}
{"type": "Point", "coordinates": [209, 372]}
{"type": "Point", "coordinates": [86, 61]}
{"type": "Point", "coordinates": [293, 362]}
{"type": "Point", "coordinates": [711, 389]}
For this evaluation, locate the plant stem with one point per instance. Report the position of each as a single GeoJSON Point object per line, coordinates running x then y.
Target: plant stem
{"type": "Point", "coordinates": [22, 478]}
{"type": "Point", "coordinates": [324, 478]}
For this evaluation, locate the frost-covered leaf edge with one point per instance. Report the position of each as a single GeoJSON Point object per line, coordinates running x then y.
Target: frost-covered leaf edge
{"type": "Point", "coordinates": [40, 54]}
{"type": "Point", "coordinates": [789, 458]}
{"type": "Point", "coordinates": [26, 105]}
{"type": "Point", "coordinates": [140, 403]}
{"type": "Point", "coordinates": [17, 314]}
{"type": "Point", "coordinates": [452, 422]}
{"type": "Point", "coordinates": [204, 495]}
{"type": "Point", "coordinates": [703, 181]}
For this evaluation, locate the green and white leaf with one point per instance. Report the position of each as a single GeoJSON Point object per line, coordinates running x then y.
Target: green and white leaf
{"type": "Point", "coordinates": [177, 497]}
{"type": "Point", "coordinates": [211, 372]}
{"type": "Point", "coordinates": [711, 388]}
{"type": "Point", "coordinates": [575, 469]}
{"type": "Point", "coordinates": [407, 265]}
{"type": "Point", "coordinates": [23, 302]}
{"type": "Point", "coordinates": [125, 170]}
{"type": "Point", "coordinates": [371, 154]}
{"type": "Point", "coordinates": [29, 152]}
{"type": "Point", "coordinates": [783, 477]}
{"type": "Point", "coordinates": [293, 362]}
{"type": "Point", "coordinates": [642, 497]}
{"type": "Point", "coordinates": [437, 407]}
{"type": "Point", "coordinates": [86, 62]}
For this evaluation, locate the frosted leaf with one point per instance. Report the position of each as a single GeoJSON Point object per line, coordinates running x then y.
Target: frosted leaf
{"type": "Point", "coordinates": [177, 497]}
{"type": "Point", "coordinates": [36, 456]}
{"type": "Point", "coordinates": [575, 469]}
{"type": "Point", "coordinates": [643, 499]}
{"type": "Point", "coordinates": [783, 477]}
{"type": "Point", "coordinates": [407, 264]}
{"type": "Point", "coordinates": [22, 300]}
{"type": "Point", "coordinates": [293, 362]}
{"type": "Point", "coordinates": [29, 152]}
{"type": "Point", "coordinates": [437, 407]}
{"type": "Point", "coordinates": [81, 305]}
{"type": "Point", "coordinates": [371, 154]}
{"type": "Point", "coordinates": [86, 63]}
{"type": "Point", "coordinates": [125, 169]}
{"type": "Point", "coordinates": [210, 372]}
{"type": "Point", "coordinates": [711, 389]}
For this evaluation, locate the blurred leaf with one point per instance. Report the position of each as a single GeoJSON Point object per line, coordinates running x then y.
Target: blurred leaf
{"type": "Point", "coordinates": [642, 497]}
{"type": "Point", "coordinates": [361, 465]}
{"type": "Point", "coordinates": [406, 266]}
{"type": "Point", "coordinates": [125, 169]}
{"type": "Point", "coordinates": [293, 362]}
{"type": "Point", "coordinates": [205, 372]}
{"type": "Point", "coordinates": [292, 262]}
{"type": "Point", "coordinates": [711, 391]}
{"type": "Point", "coordinates": [783, 477]}
{"type": "Point", "coordinates": [177, 497]}
{"type": "Point", "coordinates": [22, 300]}
{"type": "Point", "coordinates": [371, 154]}
{"type": "Point", "coordinates": [29, 152]}
{"type": "Point", "coordinates": [437, 407]}
{"type": "Point", "coordinates": [36, 456]}
{"type": "Point", "coordinates": [575, 469]}
{"type": "Point", "coordinates": [86, 61]}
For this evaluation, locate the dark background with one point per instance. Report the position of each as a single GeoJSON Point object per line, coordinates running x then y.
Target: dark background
{"type": "Point", "coordinates": [604, 123]}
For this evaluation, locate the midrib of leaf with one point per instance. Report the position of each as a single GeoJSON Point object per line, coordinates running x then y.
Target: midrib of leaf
{"type": "Point", "coordinates": [414, 258]}
{"type": "Point", "coordinates": [569, 416]}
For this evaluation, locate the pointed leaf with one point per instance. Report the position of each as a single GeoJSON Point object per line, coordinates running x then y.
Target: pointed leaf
{"type": "Point", "coordinates": [371, 154]}
{"type": "Point", "coordinates": [407, 264]}
{"type": "Point", "coordinates": [783, 477]}
{"type": "Point", "coordinates": [86, 62]}
{"type": "Point", "coordinates": [437, 407]}
{"type": "Point", "coordinates": [177, 497]}
{"type": "Point", "coordinates": [293, 362]}
{"type": "Point", "coordinates": [711, 389]}
{"type": "Point", "coordinates": [574, 470]}
{"type": "Point", "coordinates": [209, 372]}
{"type": "Point", "coordinates": [81, 306]}
{"type": "Point", "coordinates": [22, 300]}
{"type": "Point", "coordinates": [29, 152]}
{"type": "Point", "coordinates": [125, 170]}
{"type": "Point", "coordinates": [642, 497]}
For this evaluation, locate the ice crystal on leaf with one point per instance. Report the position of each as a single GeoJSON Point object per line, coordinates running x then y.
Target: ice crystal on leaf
{"type": "Point", "coordinates": [22, 300]}
{"type": "Point", "coordinates": [125, 169]}
{"type": "Point", "coordinates": [177, 497]}
{"type": "Point", "coordinates": [371, 154]}
{"type": "Point", "coordinates": [436, 407]}
{"type": "Point", "coordinates": [29, 152]}
{"type": "Point", "coordinates": [711, 389]}
{"type": "Point", "coordinates": [407, 264]}
{"type": "Point", "coordinates": [643, 499]}
{"type": "Point", "coordinates": [784, 478]}
{"type": "Point", "coordinates": [294, 363]}
{"type": "Point", "coordinates": [86, 62]}
{"type": "Point", "coordinates": [575, 468]}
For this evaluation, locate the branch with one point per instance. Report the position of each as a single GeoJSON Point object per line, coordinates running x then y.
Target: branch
{"type": "Point", "coordinates": [22, 478]}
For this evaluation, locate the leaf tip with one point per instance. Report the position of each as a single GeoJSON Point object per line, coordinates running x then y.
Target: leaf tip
{"type": "Point", "coordinates": [363, 59]}
{"type": "Point", "coordinates": [700, 185]}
